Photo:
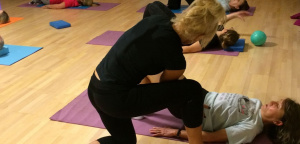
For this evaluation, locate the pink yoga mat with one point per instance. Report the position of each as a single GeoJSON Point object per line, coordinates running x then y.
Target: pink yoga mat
{"type": "Point", "coordinates": [109, 38]}
{"type": "Point", "coordinates": [101, 7]}
{"type": "Point", "coordinates": [80, 111]}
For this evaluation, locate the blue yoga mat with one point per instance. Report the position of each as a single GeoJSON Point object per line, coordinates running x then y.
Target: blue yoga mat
{"type": "Point", "coordinates": [16, 53]}
{"type": "Point", "coordinates": [182, 8]}
{"type": "Point", "coordinates": [238, 46]}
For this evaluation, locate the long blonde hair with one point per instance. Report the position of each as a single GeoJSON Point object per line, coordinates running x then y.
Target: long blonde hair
{"type": "Point", "coordinates": [201, 18]}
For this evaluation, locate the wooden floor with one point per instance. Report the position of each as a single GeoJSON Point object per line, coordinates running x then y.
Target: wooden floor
{"type": "Point", "coordinates": [33, 89]}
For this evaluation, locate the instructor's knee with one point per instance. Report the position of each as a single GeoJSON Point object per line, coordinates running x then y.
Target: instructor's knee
{"type": "Point", "coordinates": [193, 85]}
{"type": "Point", "coordinates": [195, 88]}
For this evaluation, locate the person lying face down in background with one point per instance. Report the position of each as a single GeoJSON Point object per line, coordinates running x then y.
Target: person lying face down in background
{"type": "Point", "coordinates": [223, 37]}
{"type": "Point", "coordinates": [61, 4]}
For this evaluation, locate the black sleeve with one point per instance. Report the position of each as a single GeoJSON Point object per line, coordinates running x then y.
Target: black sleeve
{"type": "Point", "coordinates": [215, 42]}
{"type": "Point", "coordinates": [173, 56]}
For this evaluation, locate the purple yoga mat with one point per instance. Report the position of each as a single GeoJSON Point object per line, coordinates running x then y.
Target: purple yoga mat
{"type": "Point", "coordinates": [101, 7]}
{"type": "Point", "coordinates": [80, 111]}
{"type": "Point", "coordinates": [252, 10]}
{"type": "Point", "coordinates": [220, 51]}
{"type": "Point", "coordinates": [109, 38]}
{"type": "Point", "coordinates": [141, 10]}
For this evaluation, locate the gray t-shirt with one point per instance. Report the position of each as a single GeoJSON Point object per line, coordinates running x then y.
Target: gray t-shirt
{"type": "Point", "coordinates": [225, 4]}
{"type": "Point", "coordinates": [237, 114]}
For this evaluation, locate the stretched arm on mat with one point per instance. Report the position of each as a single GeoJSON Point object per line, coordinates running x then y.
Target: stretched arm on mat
{"type": "Point", "coordinates": [217, 136]}
{"type": "Point", "coordinates": [239, 14]}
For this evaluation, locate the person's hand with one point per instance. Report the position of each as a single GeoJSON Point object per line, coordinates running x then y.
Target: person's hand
{"type": "Point", "coordinates": [166, 132]}
{"type": "Point", "coordinates": [241, 14]}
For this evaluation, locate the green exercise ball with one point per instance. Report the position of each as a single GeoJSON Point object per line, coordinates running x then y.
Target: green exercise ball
{"type": "Point", "coordinates": [258, 38]}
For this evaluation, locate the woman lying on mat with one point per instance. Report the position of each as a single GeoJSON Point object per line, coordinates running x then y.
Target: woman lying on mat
{"type": "Point", "coordinates": [61, 4]}
{"type": "Point", "coordinates": [234, 5]}
{"type": "Point", "coordinates": [236, 119]}
{"type": "Point", "coordinates": [151, 46]}
{"type": "Point", "coordinates": [223, 37]}
{"type": "Point", "coordinates": [4, 18]}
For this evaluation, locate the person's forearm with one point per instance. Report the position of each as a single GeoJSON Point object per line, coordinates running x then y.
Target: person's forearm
{"type": "Point", "coordinates": [182, 134]}
{"type": "Point", "coordinates": [230, 17]}
{"type": "Point", "coordinates": [194, 135]}
{"type": "Point", "coordinates": [195, 47]}
{"type": "Point", "coordinates": [219, 136]}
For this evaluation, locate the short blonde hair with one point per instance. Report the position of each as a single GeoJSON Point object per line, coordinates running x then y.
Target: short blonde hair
{"type": "Point", "coordinates": [87, 2]}
{"type": "Point", "coordinates": [201, 18]}
{"type": "Point", "coordinates": [4, 18]}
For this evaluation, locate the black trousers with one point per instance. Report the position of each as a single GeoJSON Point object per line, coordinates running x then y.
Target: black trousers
{"type": "Point", "coordinates": [175, 4]}
{"type": "Point", "coordinates": [158, 8]}
{"type": "Point", "coordinates": [117, 104]}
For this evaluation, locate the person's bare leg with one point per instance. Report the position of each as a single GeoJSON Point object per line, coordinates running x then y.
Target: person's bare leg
{"type": "Point", "coordinates": [194, 135]}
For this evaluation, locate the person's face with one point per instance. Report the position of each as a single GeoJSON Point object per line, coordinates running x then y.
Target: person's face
{"type": "Point", "coordinates": [236, 3]}
{"type": "Point", "coordinates": [1, 11]}
{"type": "Point", "coordinates": [273, 111]}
